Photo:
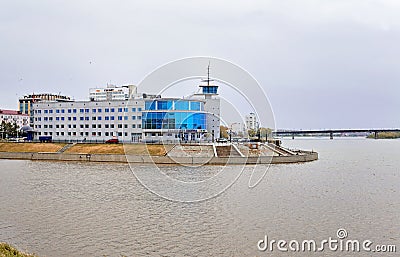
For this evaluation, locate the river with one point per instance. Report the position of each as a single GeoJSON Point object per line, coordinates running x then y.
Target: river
{"type": "Point", "coordinates": [97, 209]}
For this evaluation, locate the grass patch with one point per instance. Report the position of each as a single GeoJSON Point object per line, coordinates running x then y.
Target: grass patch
{"type": "Point", "coordinates": [30, 147]}
{"type": "Point", "coordinates": [132, 149]}
{"type": "Point", "coordinates": [7, 250]}
{"type": "Point", "coordinates": [386, 135]}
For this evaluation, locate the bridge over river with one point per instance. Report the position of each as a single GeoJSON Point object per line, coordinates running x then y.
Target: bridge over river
{"type": "Point", "coordinates": [330, 132]}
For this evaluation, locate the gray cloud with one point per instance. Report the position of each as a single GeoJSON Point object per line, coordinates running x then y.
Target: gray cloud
{"type": "Point", "coordinates": [322, 63]}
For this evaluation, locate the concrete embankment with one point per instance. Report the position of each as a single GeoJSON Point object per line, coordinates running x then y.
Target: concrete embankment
{"type": "Point", "coordinates": [303, 156]}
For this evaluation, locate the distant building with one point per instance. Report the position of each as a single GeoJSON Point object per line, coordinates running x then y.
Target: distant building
{"type": "Point", "coordinates": [237, 128]}
{"type": "Point", "coordinates": [25, 103]}
{"type": "Point", "coordinates": [112, 93]}
{"type": "Point", "coordinates": [12, 116]}
{"type": "Point", "coordinates": [251, 121]}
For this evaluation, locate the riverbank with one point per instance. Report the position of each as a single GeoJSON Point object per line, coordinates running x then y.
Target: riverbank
{"type": "Point", "coordinates": [385, 135]}
{"type": "Point", "coordinates": [159, 154]}
{"type": "Point", "coordinates": [303, 156]}
{"type": "Point", "coordinates": [7, 250]}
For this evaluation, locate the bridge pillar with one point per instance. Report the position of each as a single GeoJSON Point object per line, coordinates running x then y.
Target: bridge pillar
{"type": "Point", "coordinates": [292, 136]}
{"type": "Point", "coordinates": [331, 135]}
{"type": "Point", "coordinates": [376, 134]}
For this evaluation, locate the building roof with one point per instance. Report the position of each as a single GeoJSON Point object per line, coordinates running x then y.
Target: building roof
{"type": "Point", "coordinates": [12, 112]}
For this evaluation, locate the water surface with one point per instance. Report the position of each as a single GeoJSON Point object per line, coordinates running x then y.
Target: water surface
{"type": "Point", "coordinates": [95, 209]}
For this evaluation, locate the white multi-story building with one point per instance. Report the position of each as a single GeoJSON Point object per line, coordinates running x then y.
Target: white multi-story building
{"type": "Point", "coordinates": [251, 121]}
{"type": "Point", "coordinates": [135, 118]}
{"type": "Point", "coordinates": [11, 116]}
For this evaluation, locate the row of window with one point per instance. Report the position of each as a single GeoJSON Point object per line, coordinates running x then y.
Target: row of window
{"type": "Point", "coordinates": [62, 126]}
{"type": "Point", "coordinates": [88, 118]}
{"type": "Point", "coordinates": [93, 134]}
{"type": "Point", "coordinates": [174, 120]}
{"type": "Point", "coordinates": [94, 110]}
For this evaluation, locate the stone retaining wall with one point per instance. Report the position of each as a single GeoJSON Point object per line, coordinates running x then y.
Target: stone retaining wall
{"type": "Point", "coordinates": [303, 157]}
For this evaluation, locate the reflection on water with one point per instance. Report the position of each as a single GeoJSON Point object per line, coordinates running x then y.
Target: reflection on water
{"type": "Point", "coordinates": [81, 209]}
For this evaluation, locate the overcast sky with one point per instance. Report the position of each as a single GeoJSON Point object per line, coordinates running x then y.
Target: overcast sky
{"type": "Point", "coordinates": [323, 64]}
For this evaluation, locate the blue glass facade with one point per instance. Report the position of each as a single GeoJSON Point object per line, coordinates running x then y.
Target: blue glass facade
{"type": "Point", "coordinates": [174, 120]}
{"type": "Point", "coordinates": [179, 105]}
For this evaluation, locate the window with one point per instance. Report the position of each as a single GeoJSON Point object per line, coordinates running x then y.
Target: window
{"type": "Point", "coordinates": [81, 110]}
{"type": "Point", "coordinates": [164, 105]}
{"type": "Point", "coordinates": [133, 125]}
{"type": "Point", "coordinates": [112, 110]}
{"type": "Point", "coordinates": [107, 118]}
{"type": "Point", "coordinates": [62, 111]}
{"type": "Point", "coordinates": [125, 117]}
{"type": "Point", "coordinates": [107, 110]}
{"type": "Point", "coordinates": [195, 106]}
{"type": "Point", "coordinates": [81, 118]}
{"type": "Point", "coordinates": [119, 125]}
{"type": "Point", "coordinates": [112, 118]}
{"type": "Point", "coordinates": [94, 110]}
{"type": "Point", "coordinates": [69, 110]}
{"type": "Point", "coordinates": [133, 109]}
{"type": "Point", "coordinates": [86, 118]}
{"type": "Point", "coordinates": [86, 110]}
{"type": "Point", "coordinates": [133, 117]}
{"type": "Point", "coordinates": [139, 109]}
{"type": "Point", "coordinates": [119, 117]}
{"type": "Point", "coordinates": [181, 105]}
{"type": "Point", "coordinates": [74, 118]}
{"type": "Point", "coordinates": [57, 111]}
{"type": "Point", "coordinates": [93, 118]}
{"type": "Point", "coordinates": [126, 110]}
{"type": "Point", "coordinates": [98, 125]}
{"type": "Point", "coordinates": [74, 110]}
{"type": "Point", "coordinates": [119, 109]}
{"type": "Point", "coordinates": [106, 126]}
{"type": "Point", "coordinates": [99, 118]}
{"type": "Point", "coordinates": [93, 125]}
{"type": "Point", "coordinates": [57, 118]}
{"type": "Point", "coordinates": [126, 126]}
{"type": "Point", "coordinates": [98, 110]}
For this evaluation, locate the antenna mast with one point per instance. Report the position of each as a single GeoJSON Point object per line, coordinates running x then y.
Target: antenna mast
{"type": "Point", "coordinates": [208, 74]}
